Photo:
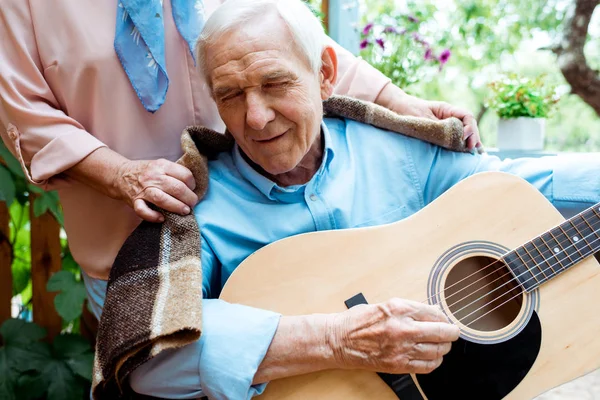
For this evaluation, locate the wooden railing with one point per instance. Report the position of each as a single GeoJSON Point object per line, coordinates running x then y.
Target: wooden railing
{"type": "Point", "coordinates": [45, 260]}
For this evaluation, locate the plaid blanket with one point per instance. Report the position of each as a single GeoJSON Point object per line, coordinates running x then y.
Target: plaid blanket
{"type": "Point", "coordinates": [154, 296]}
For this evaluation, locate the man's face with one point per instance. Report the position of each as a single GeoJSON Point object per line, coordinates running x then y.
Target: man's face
{"type": "Point", "coordinates": [266, 93]}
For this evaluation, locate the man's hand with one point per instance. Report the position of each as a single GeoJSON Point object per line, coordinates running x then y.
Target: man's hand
{"type": "Point", "coordinates": [163, 183]}
{"type": "Point", "coordinates": [396, 100]}
{"type": "Point", "coordinates": [398, 336]}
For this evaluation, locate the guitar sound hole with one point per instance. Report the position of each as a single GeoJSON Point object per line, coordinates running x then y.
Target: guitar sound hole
{"type": "Point", "coordinates": [483, 294]}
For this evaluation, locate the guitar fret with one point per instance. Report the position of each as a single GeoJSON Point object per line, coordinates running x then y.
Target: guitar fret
{"type": "Point", "coordinates": [576, 239]}
{"type": "Point", "coordinates": [520, 272]}
{"type": "Point", "coordinates": [541, 260]}
{"type": "Point", "coordinates": [570, 242]}
{"type": "Point", "coordinates": [526, 265]}
{"type": "Point", "coordinates": [584, 236]}
{"type": "Point", "coordinates": [591, 229]}
{"type": "Point", "coordinates": [550, 252]}
{"type": "Point", "coordinates": [558, 249]}
{"type": "Point", "coordinates": [535, 263]}
{"type": "Point", "coordinates": [553, 252]}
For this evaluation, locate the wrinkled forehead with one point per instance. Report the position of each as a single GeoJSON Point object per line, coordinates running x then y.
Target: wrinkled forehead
{"type": "Point", "coordinates": [256, 44]}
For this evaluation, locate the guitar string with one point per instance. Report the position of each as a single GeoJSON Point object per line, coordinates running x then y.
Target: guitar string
{"type": "Point", "coordinates": [495, 308]}
{"type": "Point", "coordinates": [524, 272]}
{"type": "Point", "coordinates": [542, 254]}
{"type": "Point", "coordinates": [500, 261]}
{"type": "Point", "coordinates": [589, 253]}
{"type": "Point", "coordinates": [495, 270]}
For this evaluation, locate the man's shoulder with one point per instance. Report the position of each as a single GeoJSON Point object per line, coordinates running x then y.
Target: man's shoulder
{"type": "Point", "coordinates": [367, 135]}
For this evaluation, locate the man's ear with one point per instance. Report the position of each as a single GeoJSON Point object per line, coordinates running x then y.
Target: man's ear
{"type": "Point", "coordinates": [328, 72]}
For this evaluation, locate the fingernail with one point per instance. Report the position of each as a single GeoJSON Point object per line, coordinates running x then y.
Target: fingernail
{"type": "Point", "coordinates": [186, 210]}
{"type": "Point", "coordinates": [161, 219]}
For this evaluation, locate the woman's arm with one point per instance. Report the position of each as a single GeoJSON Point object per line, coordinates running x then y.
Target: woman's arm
{"type": "Point", "coordinates": [44, 139]}
{"type": "Point", "coordinates": [357, 78]}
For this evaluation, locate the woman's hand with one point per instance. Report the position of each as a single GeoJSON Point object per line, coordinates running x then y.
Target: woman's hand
{"type": "Point", "coordinates": [398, 336]}
{"type": "Point", "coordinates": [163, 183]}
{"type": "Point", "coordinates": [397, 100]}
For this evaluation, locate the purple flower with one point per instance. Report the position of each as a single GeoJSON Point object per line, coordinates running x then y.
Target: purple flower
{"type": "Point", "coordinates": [445, 56]}
{"type": "Point", "coordinates": [419, 39]}
{"type": "Point", "coordinates": [413, 19]}
{"type": "Point", "coordinates": [390, 29]}
{"type": "Point", "coordinates": [429, 54]}
{"type": "Point", "coordinates": [364, 44]}
{"type": "Point", "coordinates": [380, 42]}
{"type": "Point", "coordinates": [367, 28]}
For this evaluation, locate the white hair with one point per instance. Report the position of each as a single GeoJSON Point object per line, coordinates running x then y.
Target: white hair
{"type": "Point", "coordinates": [306, 29]}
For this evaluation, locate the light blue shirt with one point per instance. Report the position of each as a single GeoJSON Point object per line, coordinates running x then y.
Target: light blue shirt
{"type": "Point", "coordinates": [368, 177]}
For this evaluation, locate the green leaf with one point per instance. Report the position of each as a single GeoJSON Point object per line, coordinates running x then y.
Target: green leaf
{"type": "Point", "coordinates": [76, 352]}
{"type": "Point", "coordinates": [48, 201]}
{"type": "Point", "coordinates": [21, 355]}
{"type": "Point", "coordinates": [69, 264]}
{"type": "Point", "coordinates": [40, 206]}
{"type": "Point", "coordinates": [16, 331]}
{"type": "Point", "coordinates": [61, 382]}
{"type": "Point", "coordinates": [8, 377]}
{"type": "Point", "coordinates": [69, 302]}
{"type": "Point", "coordinates": [7, 186]}
{"type": "Point", "coordinates": [13, 164]}
{"type": "Point", "coordinates": [30, 386]}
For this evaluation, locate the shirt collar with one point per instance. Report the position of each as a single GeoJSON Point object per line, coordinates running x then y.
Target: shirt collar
{"type": "Point", "coordinates": [269, 188]}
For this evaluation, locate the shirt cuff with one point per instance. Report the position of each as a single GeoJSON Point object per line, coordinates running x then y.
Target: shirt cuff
{"type": "Point", "coordinates": [234, 341]}
{"type": "Point", "coordinates": [60, 154]}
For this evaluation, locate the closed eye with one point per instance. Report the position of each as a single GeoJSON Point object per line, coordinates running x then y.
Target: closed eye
{"type": "Point", "coordinates": [275, 85]}
{"type": "Point", "coordinates": [231, 96]}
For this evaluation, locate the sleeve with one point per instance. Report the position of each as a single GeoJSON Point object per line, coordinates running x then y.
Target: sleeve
{"type": "Point", "coordinates": [222, 364]}
{"type": "Point", "coordinates": [34, 128]}
{"type": "Point", "coordinates": [356, 77]}
{"type": "Point", "coordinates": [570, 181]}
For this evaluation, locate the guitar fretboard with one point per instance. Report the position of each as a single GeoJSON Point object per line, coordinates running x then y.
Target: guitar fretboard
{"type": "Point", "coordinates": [557, 250]}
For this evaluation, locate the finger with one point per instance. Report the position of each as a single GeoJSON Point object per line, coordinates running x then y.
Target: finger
{"type": "Point", "coordinates": [146, 213]}
{"type": "Point", "coordinates": [423, 366]}
{"type": "Point", "coordinates": [472, 142]}
{"type": "Point", "coordinates": [436, 332]}
{"type": "Point", "coordinates": [429, 351]}
{"type": "Point", "coordinates": [165, 201]}
{"type": "Point", "coordinates": [428, 313]}
{"type": "Point", "coordinates": [179, 191]}
{"type": "Point", "coordinates": [180, 173]}
{"type": "Point", "coordinates": [471, 122]}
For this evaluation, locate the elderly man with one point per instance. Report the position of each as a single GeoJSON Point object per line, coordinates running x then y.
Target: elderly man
{"type": "Point", "coordinates": [269, 69]}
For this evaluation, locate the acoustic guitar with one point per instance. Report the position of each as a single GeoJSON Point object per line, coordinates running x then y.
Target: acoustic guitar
{"type": "Point", "coordinates": [519, 281]}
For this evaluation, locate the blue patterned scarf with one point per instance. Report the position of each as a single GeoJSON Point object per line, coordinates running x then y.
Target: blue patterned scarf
{"type": "Point", "coordinates": [140, 43]}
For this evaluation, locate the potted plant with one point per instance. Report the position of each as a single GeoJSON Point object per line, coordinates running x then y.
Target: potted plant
{"type": "Point", "coordinates": [523, 104]}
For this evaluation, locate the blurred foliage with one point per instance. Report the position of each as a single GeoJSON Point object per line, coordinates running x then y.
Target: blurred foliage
{"type": "Point", "coordinates": [395, 46]}
{"type": "Point", "coordinates": [512, 96]}
{"type": "Point", "coordinates": [488, 39]}
{"type": "Point", "coordinates": [30, 369]}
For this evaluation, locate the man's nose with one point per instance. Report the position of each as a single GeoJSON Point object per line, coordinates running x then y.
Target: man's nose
{"type": "Point", "coordinates": [258, 113]}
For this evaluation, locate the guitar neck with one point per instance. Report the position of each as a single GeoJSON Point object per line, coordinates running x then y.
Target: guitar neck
{"type": "Point", "coordinates": [556, 250]}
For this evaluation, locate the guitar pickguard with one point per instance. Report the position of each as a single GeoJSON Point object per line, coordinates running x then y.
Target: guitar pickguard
{"type": "Point", "coordinates": [484, 371]}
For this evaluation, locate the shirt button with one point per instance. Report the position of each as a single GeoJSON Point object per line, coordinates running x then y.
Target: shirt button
{"type": "Point", "coordinates": [313, 197]}
{"type": "Point", "coordinates": [12, 132]}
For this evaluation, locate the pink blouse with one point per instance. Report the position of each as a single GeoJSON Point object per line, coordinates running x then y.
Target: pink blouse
{"type": "Point", "coordinates": [64, 94]}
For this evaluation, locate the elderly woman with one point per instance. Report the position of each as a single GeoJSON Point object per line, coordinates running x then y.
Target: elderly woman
{"type": "Point", "coordinates": [269, 67]}
{"type": "Point", "coordinates": [93, 100]}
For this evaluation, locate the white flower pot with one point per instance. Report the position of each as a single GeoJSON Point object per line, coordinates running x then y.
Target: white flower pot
{"type": "Point", "coordinates": [521, 133]}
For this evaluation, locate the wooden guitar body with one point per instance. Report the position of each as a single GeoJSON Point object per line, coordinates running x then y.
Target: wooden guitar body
{"type": "Point", "coordinates": [537, 340]}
